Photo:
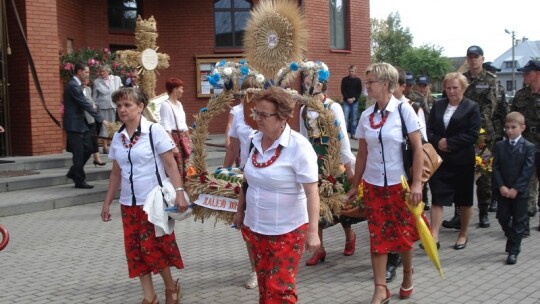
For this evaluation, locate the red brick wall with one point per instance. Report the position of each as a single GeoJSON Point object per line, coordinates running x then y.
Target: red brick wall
{"type": "Point", "coordinates": [185, 30]}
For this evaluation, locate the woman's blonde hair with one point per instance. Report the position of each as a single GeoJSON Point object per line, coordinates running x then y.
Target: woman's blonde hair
{"type": "Point", "coordinates": [385, 72]}
{"type": "Point", "coordinates": [455, 75]}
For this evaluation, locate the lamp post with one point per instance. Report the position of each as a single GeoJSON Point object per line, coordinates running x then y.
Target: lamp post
{"type": "Point", "coordinates": [513, 34]}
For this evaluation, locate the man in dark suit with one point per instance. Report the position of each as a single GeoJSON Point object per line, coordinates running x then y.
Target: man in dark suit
{"type": "Point", "coordinates": [79, 142]}
{"type": "Point", "coordinates": [513, 166]}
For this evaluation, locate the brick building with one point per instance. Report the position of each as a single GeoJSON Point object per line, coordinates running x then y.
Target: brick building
{"type": "Point", "coordinates": [191, 32]}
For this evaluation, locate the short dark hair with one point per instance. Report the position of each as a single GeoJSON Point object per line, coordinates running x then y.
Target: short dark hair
{"type": "Point", "coordinates": [131, 93]}
{"type": "Point", "coordinates": [79, 67]}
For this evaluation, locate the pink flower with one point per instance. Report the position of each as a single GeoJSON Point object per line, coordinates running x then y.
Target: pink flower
{"type": "Point", "coordinates": [68, 66]}
{"type": "Point", "coordinates": [106, 50]}
{"type": "Point", "coordinates": [115, 65]}
{"type": "Point", "coordinates": [91, 62]}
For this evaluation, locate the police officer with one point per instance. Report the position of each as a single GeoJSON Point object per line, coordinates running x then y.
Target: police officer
{"type": "Point", "coordinates": [527, 102]}
{"type": "Point", "coordinates": [498, 117]}
{"type": "Point", "coordinates": [482, 89]}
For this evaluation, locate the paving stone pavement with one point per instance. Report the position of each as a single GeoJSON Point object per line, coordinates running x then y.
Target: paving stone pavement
{"type": "Point", "coordinates": [68, 255]}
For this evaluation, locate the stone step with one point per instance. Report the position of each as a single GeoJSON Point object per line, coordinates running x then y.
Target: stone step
{"type": "Point", "coordinates": [42, 184]}
{"type": "Point", "coordinates": [29, 179]}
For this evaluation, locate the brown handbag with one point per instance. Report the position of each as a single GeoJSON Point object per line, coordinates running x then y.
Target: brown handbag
{"type": "Point", "coordinates": [431, 160]}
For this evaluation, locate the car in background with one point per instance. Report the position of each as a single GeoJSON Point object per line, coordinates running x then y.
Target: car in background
{"type": "Point", "coordinates": [437, 95]}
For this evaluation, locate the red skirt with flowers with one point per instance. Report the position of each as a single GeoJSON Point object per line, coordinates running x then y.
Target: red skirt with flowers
{"type": "Point", "coordinates": [392, 227]}
{"type": "Point", "coordinates": [145, 252]}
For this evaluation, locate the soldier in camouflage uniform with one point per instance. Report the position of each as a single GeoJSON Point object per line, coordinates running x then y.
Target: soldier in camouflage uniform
{"type": "Point", "coordinates": [498, 117]}
{"type": "Point", "coordinates": [410, 93]}
{"type": "Point", "coordinates": [527, 102]}
{"type": "Point", "coordinates": [483, 90]}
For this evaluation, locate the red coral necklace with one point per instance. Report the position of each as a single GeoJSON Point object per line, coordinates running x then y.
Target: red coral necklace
{"type": "Point", "coordinates": [129, 143]}
{"type": "Point", "coordinates": [380, 124]}
{"type": "Point", "coordinates": [268, 162]}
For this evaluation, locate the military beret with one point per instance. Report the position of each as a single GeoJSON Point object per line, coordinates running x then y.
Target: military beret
{"type": "Point", "coordinates": [475, 50]}
{"type": "Point", "coordinates": [532, 65]}
{"type": "Point", "coordinates": [488, 66]}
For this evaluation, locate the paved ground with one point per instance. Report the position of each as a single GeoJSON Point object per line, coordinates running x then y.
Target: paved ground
{"type": "Point", "coordinates": [68, 255]}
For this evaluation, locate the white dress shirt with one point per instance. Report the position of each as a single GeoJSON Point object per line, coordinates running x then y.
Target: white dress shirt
{"type": "Point", "coordinates": [392, 137]}
{"type": "Point", "coordinates": [275, 201]}
{"type": "Point", "coordinates": [346, 154]}
{"type": "Point", "coordinates": [137, 163]}
{"type": "Point", "coordinates": [167, 114]}
{"type": "Point", "coordinates": [242, 131]}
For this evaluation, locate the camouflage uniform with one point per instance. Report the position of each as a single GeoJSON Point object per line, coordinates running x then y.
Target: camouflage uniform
{"type": "Point", "coordinates": [500, 114]}
{"type": "Point", "coordinates": [483, 90]}
{"type": "Point", "coordinates": [528, 104]}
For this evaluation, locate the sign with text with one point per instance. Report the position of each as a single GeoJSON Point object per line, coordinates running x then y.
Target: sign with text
{"type": "Point", "coordinates": [217, 202]}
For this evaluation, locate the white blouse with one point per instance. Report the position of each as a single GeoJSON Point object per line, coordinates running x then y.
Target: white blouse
{"type": "Point", "coordinates": [242, 131]}
{"type": "Point", "coordinates": [137, 163]}
{"type": "Point", "coordinates": [275, 201]}
{"type": "Point", "coordinates": [167, 116]}
{"type": "Point", "coordinates": [392, 137]}
{"type": "Point", "coordinates": [450, 110]}
{"type": "Point", "coordinates": [346, 154]}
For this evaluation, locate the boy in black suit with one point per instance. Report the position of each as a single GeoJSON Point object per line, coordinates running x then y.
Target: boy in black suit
{"type": "Point", "coordinates": [513, 166]}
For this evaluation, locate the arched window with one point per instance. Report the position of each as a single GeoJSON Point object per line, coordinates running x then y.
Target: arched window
{"type": "Point", "coordinates": [230, 18]}
{"type": "Point", "coordinates": [123, 15]}
{"type": "Point", "coordinates": [338, 24]}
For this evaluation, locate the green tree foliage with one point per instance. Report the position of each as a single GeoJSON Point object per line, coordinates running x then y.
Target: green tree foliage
{"type": "Point", "coordinates": [426, 60]}
{"type": "Point", "coordinates": [389, 39]}
{"type": "Point", "coordinates": [392, 43]}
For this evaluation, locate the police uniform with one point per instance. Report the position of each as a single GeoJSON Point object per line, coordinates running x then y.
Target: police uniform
{"type": "Point", "coordinates": [483, 90]}
{"type": "Point", "coordinates": [528, 103]}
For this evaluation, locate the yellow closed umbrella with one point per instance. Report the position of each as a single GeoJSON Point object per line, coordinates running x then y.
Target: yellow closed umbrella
{"type": "Point", "coordinates": [425, 235]}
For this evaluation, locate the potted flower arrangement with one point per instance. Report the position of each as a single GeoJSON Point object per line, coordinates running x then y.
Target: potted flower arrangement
{"type": "Point", "coordinates": [94, 58]}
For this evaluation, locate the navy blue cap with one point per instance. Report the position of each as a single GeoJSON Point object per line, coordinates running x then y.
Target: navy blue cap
{"type": "Point", "coordinates": [532, 65]}
{"type": "Point", "coordinates": [423, 79]}
{"type": "Point", "coordinates": [409, 78]}
{"type": "Point", "coordinates": [475, 49]}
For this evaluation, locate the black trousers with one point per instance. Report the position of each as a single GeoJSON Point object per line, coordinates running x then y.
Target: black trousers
{"type": "Point", "coordinates": [80, 145]}
{"type": "Point", "coordinates": [513, 217]}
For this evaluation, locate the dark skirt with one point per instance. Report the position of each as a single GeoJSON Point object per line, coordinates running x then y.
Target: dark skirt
{"type": "Point", "coordinates": [452, 184]}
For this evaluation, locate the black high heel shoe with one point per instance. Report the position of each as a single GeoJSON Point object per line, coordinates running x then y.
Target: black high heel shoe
{"type": "Point", "coordinates": [96, 163]}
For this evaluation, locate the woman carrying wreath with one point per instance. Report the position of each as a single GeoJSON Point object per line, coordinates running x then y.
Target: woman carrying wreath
{"type": "Point", "coordinates": [379, 165]}
{"type": "Point", "coordinates": [279, 213]}
{"type": "Point", "coordinates": [311, 127]}
{"type": "Point", "coordinates": [173, 120]}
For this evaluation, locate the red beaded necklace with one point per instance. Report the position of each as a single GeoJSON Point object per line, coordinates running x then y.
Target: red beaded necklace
{"type": "Point", "coordinates": [268, 162]}
{"type": "Point", "coordinates": [380, 124]}
{"type": "Point", "coordinates": [129, 143]}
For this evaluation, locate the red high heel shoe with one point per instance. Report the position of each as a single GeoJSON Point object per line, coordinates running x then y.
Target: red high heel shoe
{"type": "Point", "coordinates": [388, 295]}
{"type": "Point", "coordinates": [320, 255]}
{"type": "Point", "coordinates": [350, 246]}
{"type": "Point", "coordinates": [405, 293]}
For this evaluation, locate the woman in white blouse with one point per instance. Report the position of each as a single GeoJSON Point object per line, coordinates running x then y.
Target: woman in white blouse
{"type": "Point", "coordinates": [173, 119]}
{"type": "Point", "coordinates": [279, 214]}
{"type": "Point", "coordinates": [379, 163]}
{"type": "Point", "coordinates": [134, 172]}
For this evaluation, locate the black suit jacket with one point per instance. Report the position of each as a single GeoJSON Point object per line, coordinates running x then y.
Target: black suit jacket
{"type": "Point", "coordinates": [513, 166]}
{"type": "Point", "coordinates": [74, 106]}
{"type": "Point", "coordinates": [461, 134]}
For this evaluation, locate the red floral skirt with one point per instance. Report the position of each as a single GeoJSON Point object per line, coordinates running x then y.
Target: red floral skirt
{"type": "Point", "coordinates": [276, 259]}
{"type": "Point", "coordinates": [145, 252]}
{"type": "Point", "coordinates": [392, 227]}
